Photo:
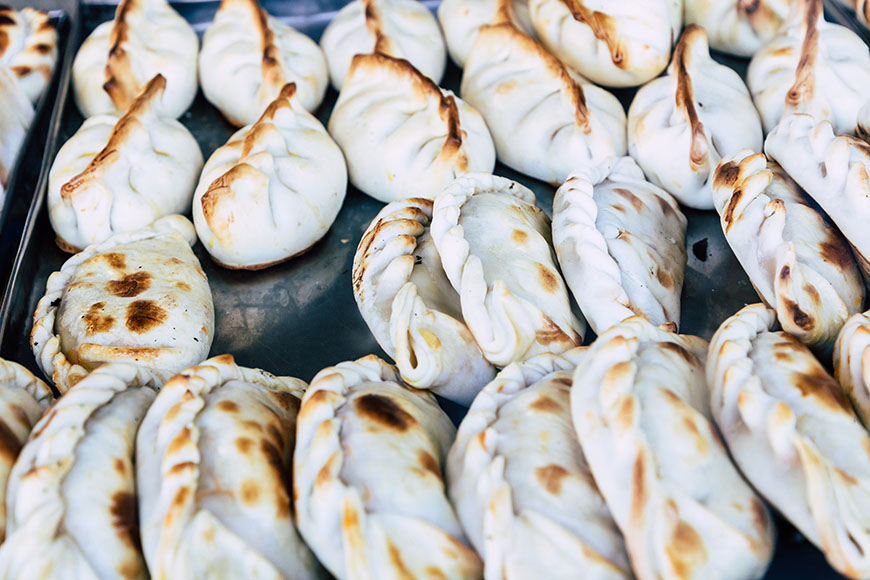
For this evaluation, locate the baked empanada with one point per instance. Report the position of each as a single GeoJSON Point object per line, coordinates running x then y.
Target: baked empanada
{"type": "Point", "coordinates": [793, 434]}
{"type": "Point", "coordinates": [399, 28]}
{"type": "Point", "coordinates": [738, 27]}
{"type": "Point", "coordinates": [272, 191]}
{"type": "Point", "coordinates": [495, 249]}
{"type": "Point", "coordinates": [544, 118]}
{"type": "Point", "coordinates": [797, 262]}
{"type": "Point", "coordinates": [621, 244]}
{"type": "Point", "coordinates": [248, 56]}
{"type": "Point", "coordinates": [852, 363]}
{"type": "Point", "coordinates": [642, 412]}
{"type": "Point", "coordinates": [811, 66]}
{"type": "Point", "coordinates": [521, 486]}
{"type": "Point", "coordinates": [411, 308]}
{"type": "Point", "coordinates": [616, 43]}
{"type": "Point", "coordinates": [401, 134]}
{"type": "Point", "coordinates": [120, 173]}
{"type": "Point", "coordinates": [368, 481]}
{"type": "Point", "coordinates": [682, 124]}
{"type": "Point", "coordinates": [23, 399]}
{"type": "Point", "coordinates": [137, 297]}
{"type": "Point", "coordinates": [461, 19]}
{"type": "Point", "coordinates": [117, 60]}
{"type": "Point", "coordinates": [833, 170]}
{"type": "Point", "coordinates": [71, 498]}
{"type": "Point", "coordinates": [213, 469]}
{"type": "Point", "coordinates": [16, 115]}
{"type": "Point", "coordinates": [28, 48]}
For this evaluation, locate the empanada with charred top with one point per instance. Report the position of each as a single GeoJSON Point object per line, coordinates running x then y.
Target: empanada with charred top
{"type": "Point", "coordinates": [641, 409]}
{"type": "Point", "coordinates": [813, 67]}
{"type": "Point", "coordinates": [138, 297]}
{"type": "Point", "coordinates": [272, 191]}
{"type": "Point", "coordinates": [682, 124]}
{"type": "Point", "coordinates": [119, 173]}
{"type": "Point", "coordinates": [798, 263]}
{"type": "Point", "coordinates": [738, 27]}
{"type": "Point", "coordinates": [117, 60]}
{"type": "Point", "coordinates": [213, 465]}
{"type": "Point", "coordinates": [28, 48]}
{"type": "Point", "coordinates": [793, 434]}
{"type": "Point", "coordinates": [369, 481]}
{"type": "Point", "coordinates": [461, 19]}
{"type": "Point", "coordinates": [248, 56]}
{"type": "Point", "coordinates": [521, 486]}
{"type": "Point", "coordinates": [71, 497]}
{"type": "Point", "coordinates": [409, 305]}
{"type": "Point", "coordinates": [403, 29]}
{"type": "Point", "coordinates": [401, 134]}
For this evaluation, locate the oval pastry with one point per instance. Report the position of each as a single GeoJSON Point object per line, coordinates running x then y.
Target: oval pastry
{"type": "Point", "coordinates": [521, 485]}
{"type": "Point", "coordinates": [368, 483]}
{"type": "Point", "coordinates": [213, 473]}
{"type": "Point", "coordinates": [137, 297]}
{"type": "Point", "coordinates": [495, 249]}
{"type": "Point", "coordinates": [117, 60]}
{"type": "Point", "coordinates": [811, 66]}
{"type": "Point", "coordinates": [248, 56]}
{"type": "Point", "coordinates": [402, 29]}
{"type": "Point", "coordinates": [401, 134]}
{"type": "Point", "coordinates": [72, 492]}
{"type": "Point", "coordinates": [793, 434]}
{"type": "Point", "coordinates": [738, 27]}
{"type": "Point", "coordinates": [28, 48]}
{"type": "Point", "coordinates": [462, 19]}
{"type": "Point", "coordinates": [615, 43]}
{"type": "Point", "coordinates": [16, 115]}
{"type": "Point", "coordinates": [682, 124]}
{"type": "Point", "coordinates": [797, 262]}
{"type": "Point", "coordinates": [621, 244]}
{"type": "Point", "coordinates": [120, 173]}
{"type": "Point", "coordinates": [642, 412]}
{"type": "Point", "coordinates": [23, 399]}
{"type": "Point", "coordinates": [272, 191]}
{"type": "Point", "coordinates": [411, 308]}
{"type": "Point", "coordinates": [544, 118]}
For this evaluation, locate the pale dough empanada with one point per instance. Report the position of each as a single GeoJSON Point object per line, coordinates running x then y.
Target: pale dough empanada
{"type": "Point", "coordinates": [738, 27]}
{"type": "Point", "coordinates": [28, 48]}
{"type": "Point", "coordinates": [461, 19]}
{"type": "Point", "coordinates": [16, 115]}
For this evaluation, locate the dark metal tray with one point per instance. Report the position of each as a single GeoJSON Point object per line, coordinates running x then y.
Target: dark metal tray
{"type": "Point", "coordinates": [300, 316]}
{"type": "Point", "coordinates": [22, 180]}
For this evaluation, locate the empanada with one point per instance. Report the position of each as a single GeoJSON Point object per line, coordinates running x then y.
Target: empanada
{"type": "Point", "coordinates": [28, 48]}
{"type": "Point", "coordinates": [120, 173]}
{"type": "Point", "coordinates": [682, 124]}
{"type": "Point", "coordinates": [23, 399]}
{"type": "Point", "coordinates": [615, 43]}
{"type": "Point", "coordinates": [368, 480]}
{"type": "Point", "coordinates": [399, 28]}
{"type": "Point", "coordinates": [544, 118]}
{"type": "Point", "coordinates": [72, 494]}
{"type": "Point", "coordinates": [521, 486]}
{"type": "Point", "coordinates": [833, 170]}
{"type": "Point", "coordinates": [16, 115]}
{"type": "Point", "coordinates": [852, 363]}
{"type": "Point", "coordinates": [642, 412]}
{"type": "Point", "coordinates": [811, 66]}
{"type": "Point", "coordinates": [793, 434]}
{"type": "Point", "coordinates": [401, 134]}
{"type": "Point", "coordinates": [738, 27]}
{"type": "Point", "coordinates": [621, 244]}
{"type": "Point", "coordinates": [495, 248]}
{"type": "Point", "coordinates": [272, 191]}
{"type": "Point", "coordinates": [411, 308]}
{"type": "Point", "coordinates": [137, 297]}
{"type": "Point", "coordinates": [248, 56]}
{"type": "Point", "coordinates": [213, 459]}
{"type": "Point", "coordinates": [117, 60]}
{"type": "Point", "coordinates": [461, 19]}
{"type": "Point", "coordinates": [797, 262]}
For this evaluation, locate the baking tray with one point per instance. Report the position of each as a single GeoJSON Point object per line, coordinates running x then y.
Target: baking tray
{"type": "Point", "coordinates": [22, 179]}
{"type": "Point", "coordinates": [300, 316]}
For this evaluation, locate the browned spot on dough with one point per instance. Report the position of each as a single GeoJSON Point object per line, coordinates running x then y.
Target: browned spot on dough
{"type": "Point", "coordinates": [143, 315]}
{"type": "Point", "coordinates": [43, 48]}
{"type": "Point", "coordinates": [836, 252]}
{"type": "Point", "coordinates": [519, 236]}
{"type": "Point", "coordinates": [183, 286]}
{"type": "Point", "coordinates": [181, 467]}
{"type": "Point", "coordinates": [10, 446]}
{"type": "Point", "coordinates": [818, 384]}
{"type": "Point", "coordinates": [385, 411]}
{"type": "Point", "coordinates": [548, 280]}
{"type": "Point", "coordinates": [429, 464]}
{"type": "Point", "coordinates": [798, 316]}
{"type": "Point", "coordinates": [287, 401]}
{"type": "Point", "coordinates": [433, 573]}
{"type": "Point", "coordinates": [125, 518]}
{"type": "Point", "coordinates": [95, 321]}
{"type": "Point", "coordinates": [639, 491]}
{"type": "Point", "coordinates": [400, 571]}
{"type": "Point", "coordinates": [727, 175]}
{"type": "Point", "coordinates": [631, 198]}
{"type": "Point", "coordinates": [250, 492]}
{"type": "Point", "coordinates": [114, 259]}
{"type": "Point", "coordinates": [679, 351]}
{"type": "Point", "coordinates": [182, 440]}
{"type": "Point", "coordinates": [626, 412]}
{"type": "Point", "coordinates": [685, 550]}
{"type": "Point", "coordinates": [282, 473]}
{"type": "Point", "coordinates": [664, 278]}
{"type": "Point", "coordinates": [545, 404]}
{"type": "Point", "coordinates": [244, 445]}
{"type": "Point", "coordinates": [785, 273]}
{"type": "Point", "coordinates": [551, 476]}
{"type": "Point", "coordinates": [759, 513]}
{"type": "Point", "coordinates": [120, 466]}
{"type": "Point", "coordinates": [228, 406]}
{"type": "Point", "coordinates": [130, 285]}
{"type": "Point", "coordinates": [813, 294]}
{"type": "Point", "coordinates": [551, 333]}
{"type": "Point", "coordinates": [730, 208]}
{"type": "Point", "coordinates": [700, 441]}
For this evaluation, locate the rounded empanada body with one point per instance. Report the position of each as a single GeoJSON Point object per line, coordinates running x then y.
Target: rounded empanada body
{"type": "Point", "coordinates": [28, 48]}
{"type": "Point", "coordinates": [738, 27]}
